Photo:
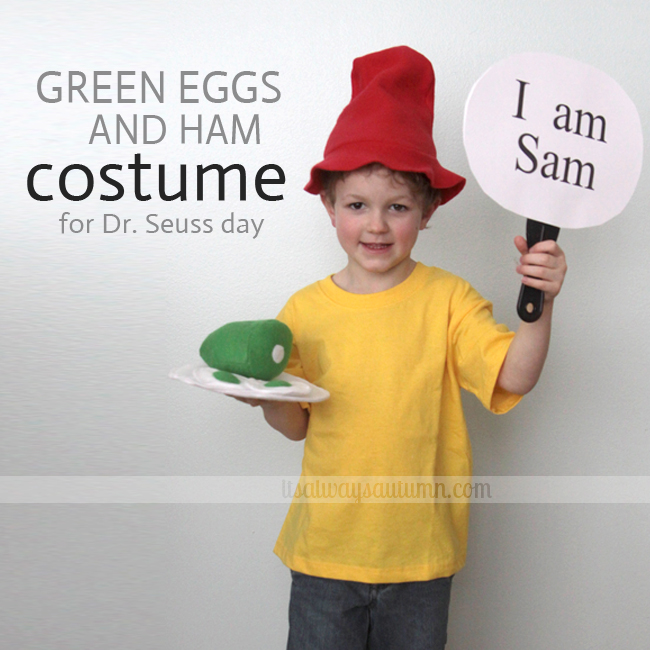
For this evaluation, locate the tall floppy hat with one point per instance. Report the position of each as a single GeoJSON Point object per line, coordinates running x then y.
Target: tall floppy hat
{"type": "Point", "coordinates": [389, 120]}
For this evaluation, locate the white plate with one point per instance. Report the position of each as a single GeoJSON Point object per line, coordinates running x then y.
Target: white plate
{"type": "Point", "coordinates": [300, 390]}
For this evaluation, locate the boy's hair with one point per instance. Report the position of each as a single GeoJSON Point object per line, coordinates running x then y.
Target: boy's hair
{"type": "Point", "coordinates": [417, 182]}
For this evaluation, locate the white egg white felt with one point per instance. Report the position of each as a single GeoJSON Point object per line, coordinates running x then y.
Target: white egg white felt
{"type": "Point", "coordinates": [300, 389]}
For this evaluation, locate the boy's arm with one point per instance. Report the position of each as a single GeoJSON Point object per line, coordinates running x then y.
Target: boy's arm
{"type": "Point", "coordinates": [543, 267]}
{"type": "Point", "coordinates": [289, 418]}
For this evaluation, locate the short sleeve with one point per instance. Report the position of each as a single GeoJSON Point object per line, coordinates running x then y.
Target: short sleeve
{"type": "Point", "coordinates": [479, 346]}
{"type": "Point", "coordinates": [294, 366]}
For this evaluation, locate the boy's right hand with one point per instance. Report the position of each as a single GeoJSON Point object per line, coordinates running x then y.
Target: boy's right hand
{"type": "Point", "coordinates": [289, 418]}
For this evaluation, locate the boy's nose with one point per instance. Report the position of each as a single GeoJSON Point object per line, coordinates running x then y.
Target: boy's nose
{"type": "Point", "coordinates": [377, 222]}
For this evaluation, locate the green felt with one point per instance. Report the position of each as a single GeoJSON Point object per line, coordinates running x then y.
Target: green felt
{"type": "Point", "coordinates": [246, 348]}
{"type": "Point", "coordinates": [223, 375]}
{"type": "Point", "coordinates": [277, 382]}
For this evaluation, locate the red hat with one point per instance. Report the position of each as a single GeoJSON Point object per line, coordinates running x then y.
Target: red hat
{"type": "Point", "coordinates": [389, 120]}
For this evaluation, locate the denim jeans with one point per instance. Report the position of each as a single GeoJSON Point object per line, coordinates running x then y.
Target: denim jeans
{"type": "Point", "coordinates": [326, 614]}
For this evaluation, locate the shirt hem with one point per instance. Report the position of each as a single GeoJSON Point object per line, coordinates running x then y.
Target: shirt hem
{"type": "Point", "coordinates": [369, 575]}
{"type": "Point", "coordinates": [502, 400]}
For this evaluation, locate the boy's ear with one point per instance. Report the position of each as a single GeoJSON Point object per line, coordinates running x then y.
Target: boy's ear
{"type": "Point", "coordinates": [328, 206]}
{"type": "Point", "coordinates": [427, 215]}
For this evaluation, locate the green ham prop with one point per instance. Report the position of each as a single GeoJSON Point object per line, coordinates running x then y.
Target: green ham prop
{"type": "Point", "coordinates": [258, 348]}
{"type": "Point", "coordinates": [246, 359]}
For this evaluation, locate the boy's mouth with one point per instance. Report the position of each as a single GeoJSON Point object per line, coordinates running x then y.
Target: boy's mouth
{"type": "Point", "coordinates": [375, 247]}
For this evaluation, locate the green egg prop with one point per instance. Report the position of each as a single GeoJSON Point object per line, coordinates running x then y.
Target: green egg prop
{"type": "Point", "coordinates": [255, 348]}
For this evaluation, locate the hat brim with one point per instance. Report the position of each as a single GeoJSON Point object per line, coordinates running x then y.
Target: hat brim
{"type": "Point", "coordinates": [358, 154]}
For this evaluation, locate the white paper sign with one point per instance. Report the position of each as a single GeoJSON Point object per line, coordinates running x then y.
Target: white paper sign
{"type": "Point", "coordinates": [553, 140]}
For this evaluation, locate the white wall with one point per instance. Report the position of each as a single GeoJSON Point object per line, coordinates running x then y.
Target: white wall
{"type": "Point", "coordinates": [93, 323]}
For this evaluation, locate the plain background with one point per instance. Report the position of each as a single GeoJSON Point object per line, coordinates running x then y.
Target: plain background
{"type": "Point", "coordinates": [92, 324]}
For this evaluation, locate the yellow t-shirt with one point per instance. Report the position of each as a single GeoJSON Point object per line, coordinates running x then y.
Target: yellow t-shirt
{"type": "Point", "coordinates": [394, 363]}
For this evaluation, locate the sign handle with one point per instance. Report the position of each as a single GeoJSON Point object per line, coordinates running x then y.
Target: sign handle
{"type": "Point", "coordinates": [531, 301]}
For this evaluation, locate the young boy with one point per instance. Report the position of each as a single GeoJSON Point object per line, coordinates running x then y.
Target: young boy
{"type": "Point", "coordinates": [393, 341]}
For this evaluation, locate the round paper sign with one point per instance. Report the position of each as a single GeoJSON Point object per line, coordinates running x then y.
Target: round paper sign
{"type": "Point", "coordinates": [553, 140]}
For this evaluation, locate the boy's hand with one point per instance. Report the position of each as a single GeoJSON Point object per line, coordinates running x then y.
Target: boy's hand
{"type": "Point", "coordinates": [543, 266]}
{"type": "Point", "coordinates": [289, 418]}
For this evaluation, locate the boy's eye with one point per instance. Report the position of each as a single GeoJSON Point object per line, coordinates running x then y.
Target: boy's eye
{"type": "Point", "coordinates": [398, 207]}
{"type": "Point", "coordinates": [357, 205]}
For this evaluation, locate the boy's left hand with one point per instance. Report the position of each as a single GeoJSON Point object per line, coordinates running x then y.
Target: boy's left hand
{"type": "Point", "coordinates": [543, 266]}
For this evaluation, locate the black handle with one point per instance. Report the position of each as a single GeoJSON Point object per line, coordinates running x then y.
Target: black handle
{"type": "Point", "coordinates": [531, 301]}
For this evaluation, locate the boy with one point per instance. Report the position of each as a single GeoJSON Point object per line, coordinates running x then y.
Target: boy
{"type": "Point", "coordinates": [393, 341]}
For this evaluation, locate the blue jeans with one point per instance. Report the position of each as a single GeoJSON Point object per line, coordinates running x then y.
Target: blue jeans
{"type": "Point", "coordinates": [327, 614]}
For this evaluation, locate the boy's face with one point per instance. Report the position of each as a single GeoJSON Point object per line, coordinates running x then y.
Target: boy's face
{"type": "Point", "coordinates": [377, 220]}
